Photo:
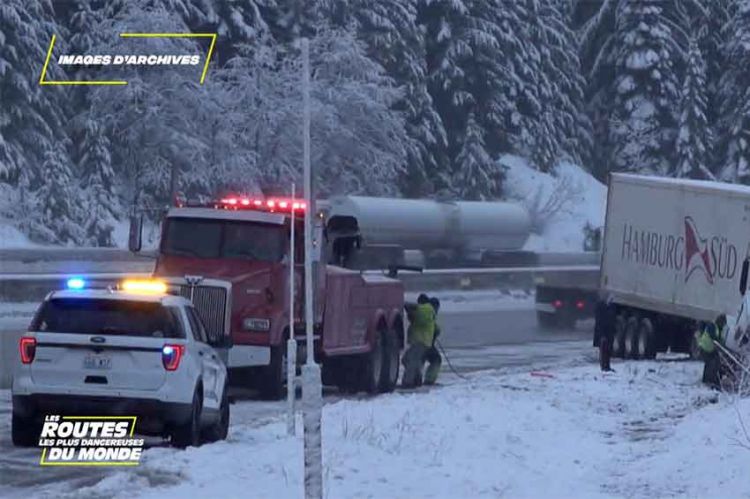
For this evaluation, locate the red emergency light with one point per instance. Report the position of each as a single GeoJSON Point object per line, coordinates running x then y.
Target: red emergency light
{"type": "Point", "coordinates": [273, 204]}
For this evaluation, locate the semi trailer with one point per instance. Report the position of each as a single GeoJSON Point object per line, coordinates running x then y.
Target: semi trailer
{"type": "Point", "coordinates": [674, 254]}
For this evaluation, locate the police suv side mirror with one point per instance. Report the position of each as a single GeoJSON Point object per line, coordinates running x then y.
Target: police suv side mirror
{"type": "Point", "coordinates": [743, 277]}
{"type": "Point", "coordinates": [135, 236]}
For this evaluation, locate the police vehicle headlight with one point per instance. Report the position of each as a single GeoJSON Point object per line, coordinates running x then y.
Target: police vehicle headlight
{"type": "Point", "coordinates": [255, 324]}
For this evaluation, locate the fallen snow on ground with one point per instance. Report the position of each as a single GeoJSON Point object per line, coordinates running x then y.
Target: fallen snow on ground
{"type": "Point", "coordinates": [648, 430]}
{"type": "Point", "coordinates": [566, 202]}
{"type": "Point", "coordinates": [485, 300]}
{"type": "Point", "coordinates": [10, 237]}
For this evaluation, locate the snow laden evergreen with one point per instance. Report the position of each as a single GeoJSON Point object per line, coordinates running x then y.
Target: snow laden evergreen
{"type": "Point", "coordinates": [643, 120]}
{"type": "Point", "coordinates": [694, 137]}
{"type": "Point", "coordinates": [99, 196]}
{"type": "Point", "coordinates": [734, 126]}
{"type": "Point", "coordinates": [55, 206]}
{"type": "Point", "coordinates": [394, 39]}
{"type": "Point", "coordinates": [475, 165]}
{"type": "Point", "coordinates": [31, 116]}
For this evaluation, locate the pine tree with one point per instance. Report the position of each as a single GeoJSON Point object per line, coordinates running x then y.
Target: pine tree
{"type": "Point", "coordinates": [643, 123]}
{"type": "Point", "coordinates": [31, 116]}
{"type": "Point", "coordinates": [734, 127]}
{"type": "Point", "coordinates": [56, 215]}
{"type": "Point", "coordinates": [99, 180]}
{"type": "Point", "coordinates": [694, 138]}
{"type": "Point", "coordinates": [393, 38]}
{"type": "Point", "coordinates": [478, 180]}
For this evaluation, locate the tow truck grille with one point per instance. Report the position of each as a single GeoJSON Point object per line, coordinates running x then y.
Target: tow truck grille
{"type": "Point", "coordinates": [210, 303]}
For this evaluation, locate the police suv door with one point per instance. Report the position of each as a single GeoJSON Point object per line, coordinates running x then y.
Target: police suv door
{"type": "Point", "coordinates": [212, 366]}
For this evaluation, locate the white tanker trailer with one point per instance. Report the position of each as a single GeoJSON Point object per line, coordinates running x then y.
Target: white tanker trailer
{"type": "Point", "coordinates": [445, 232]}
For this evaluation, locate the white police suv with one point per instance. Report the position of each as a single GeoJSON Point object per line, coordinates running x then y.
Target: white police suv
{"type": "Point", "coordinates": [136, 351]}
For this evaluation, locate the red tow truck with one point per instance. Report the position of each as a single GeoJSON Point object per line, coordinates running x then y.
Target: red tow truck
{"type": "Point", "coordinates": [231, 258]}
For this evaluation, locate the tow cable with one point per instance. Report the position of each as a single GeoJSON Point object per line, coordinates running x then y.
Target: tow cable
{"type": "Point", "coordinates": [440, 346]}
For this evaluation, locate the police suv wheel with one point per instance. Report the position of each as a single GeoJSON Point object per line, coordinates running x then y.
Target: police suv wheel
{"type": "Point", "coordinates": [189, 433]}
{"type": "Point", "coordinates": [25, 431]}
{"type": "Point", "coordinates": [218, 431]}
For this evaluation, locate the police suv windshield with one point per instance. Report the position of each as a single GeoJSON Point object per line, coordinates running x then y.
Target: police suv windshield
{"type": "Point", "coordinates": [211, 238]}
{"type": "Point", "coordinates": [107, 317]}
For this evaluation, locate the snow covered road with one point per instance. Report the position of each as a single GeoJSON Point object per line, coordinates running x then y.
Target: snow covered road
{"type": "Point", "coordinates": [648, 430]}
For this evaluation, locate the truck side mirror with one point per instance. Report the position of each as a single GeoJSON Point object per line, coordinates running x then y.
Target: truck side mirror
{"type": "Point", "coordinates": [135, 236]}
{"type": "Point", "coordinates": [743, 277]}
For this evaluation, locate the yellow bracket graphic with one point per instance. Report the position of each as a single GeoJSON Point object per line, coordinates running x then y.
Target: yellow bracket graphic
{"type": "Point", "coordinates": [212, 36]}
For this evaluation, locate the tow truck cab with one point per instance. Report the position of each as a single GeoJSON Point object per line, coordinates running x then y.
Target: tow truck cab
{"type": "Point", "coordinates": [231, 259]}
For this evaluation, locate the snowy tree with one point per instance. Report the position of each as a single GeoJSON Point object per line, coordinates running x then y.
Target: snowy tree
{"type": "Point", "coordinates": [643, 121]}
{"type": "Point", "coordinates": [478, 179]}
{"type": "Point", "coordinates": [55, 213]}
{"type": "Point", "coordinates": [555, 125]}
{"type": "Point", "coordinates": [734, 126]}
{"type": "Point", "coordinates": [99, 185]}
{"type": "Point", "coordinates": [694, 138]}
{"type": "Point", "coordinates": [31, 116]}
{"type": "Point", "coordinates": [393, 38]}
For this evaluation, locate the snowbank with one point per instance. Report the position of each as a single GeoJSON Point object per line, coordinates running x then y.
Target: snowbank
{"type": "Point", "coordinates": [560, 205]}
{"type": "Point", "coordinates": [648, 430]}
{"type": "Point", "coordinates": [10, 237]}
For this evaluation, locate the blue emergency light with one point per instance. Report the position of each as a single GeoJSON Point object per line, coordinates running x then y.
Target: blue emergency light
{"type": "Point", "coordinates": [76, 283]}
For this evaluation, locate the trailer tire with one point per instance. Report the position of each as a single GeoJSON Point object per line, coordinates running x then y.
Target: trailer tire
{"type": "Point", "coordinates": [646, 340]}
{"type": "Point", "coordinates": [391, 362]}
{"type": "Point", "coordinates": [273, 379]}
{"type": "Point", "coordinates": [631, 338]}
{"type": "Point", "coordinates": [374, 362]}
{"type": "Point", "coordinates": [618, 338]}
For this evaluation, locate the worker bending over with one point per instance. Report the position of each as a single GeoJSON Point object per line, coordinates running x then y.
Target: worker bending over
{"type": "Point", "coordinates": [432, 356]}
{"type": "Point", "coordinates": [712, 365]}
{"type": "Point", "coordinates": [420, 335]}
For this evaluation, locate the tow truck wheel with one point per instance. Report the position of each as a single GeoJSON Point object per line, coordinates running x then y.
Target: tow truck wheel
{"type": "Point", "coordinates": [218, 431]}
{"type": "Point", "coordinates": [189, 433]}
{"type": "Point", "coordinates": [273, 381]}
{"type": "Point", "coordinates": [374, 363]}
{"type": "Point", "coordinates": [25, 431]}
{"type": "Point", "coordinates": [392, 362]}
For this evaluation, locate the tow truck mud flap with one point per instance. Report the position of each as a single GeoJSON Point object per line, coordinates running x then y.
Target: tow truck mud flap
{"type": "Point", "coordinates": [248, 356]}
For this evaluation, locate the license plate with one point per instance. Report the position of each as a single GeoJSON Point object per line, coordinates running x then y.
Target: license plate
{"type": "Point", "coordinates": [97, 362]}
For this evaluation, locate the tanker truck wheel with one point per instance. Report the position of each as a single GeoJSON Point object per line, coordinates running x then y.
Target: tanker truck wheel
{"type": "Point", "coordinates": [392, 362]}
{"type": "Point", "coordinates": [631, 338]}
{"type": "Point", "coordinates": [618, 338]}
{"type": "Point", "coordinates": [646, 340]}
{"type": "Point", "coordinates": [273, 378]}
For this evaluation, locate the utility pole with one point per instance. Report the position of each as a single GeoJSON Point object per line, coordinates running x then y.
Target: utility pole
{"type": "Point", "coordinates": [291, 343]}
{"type": "Point", "coordinates": [312, 389]}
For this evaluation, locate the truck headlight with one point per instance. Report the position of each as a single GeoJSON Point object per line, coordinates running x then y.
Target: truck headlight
{"type": "Point", "coordinates": [255, 324]}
